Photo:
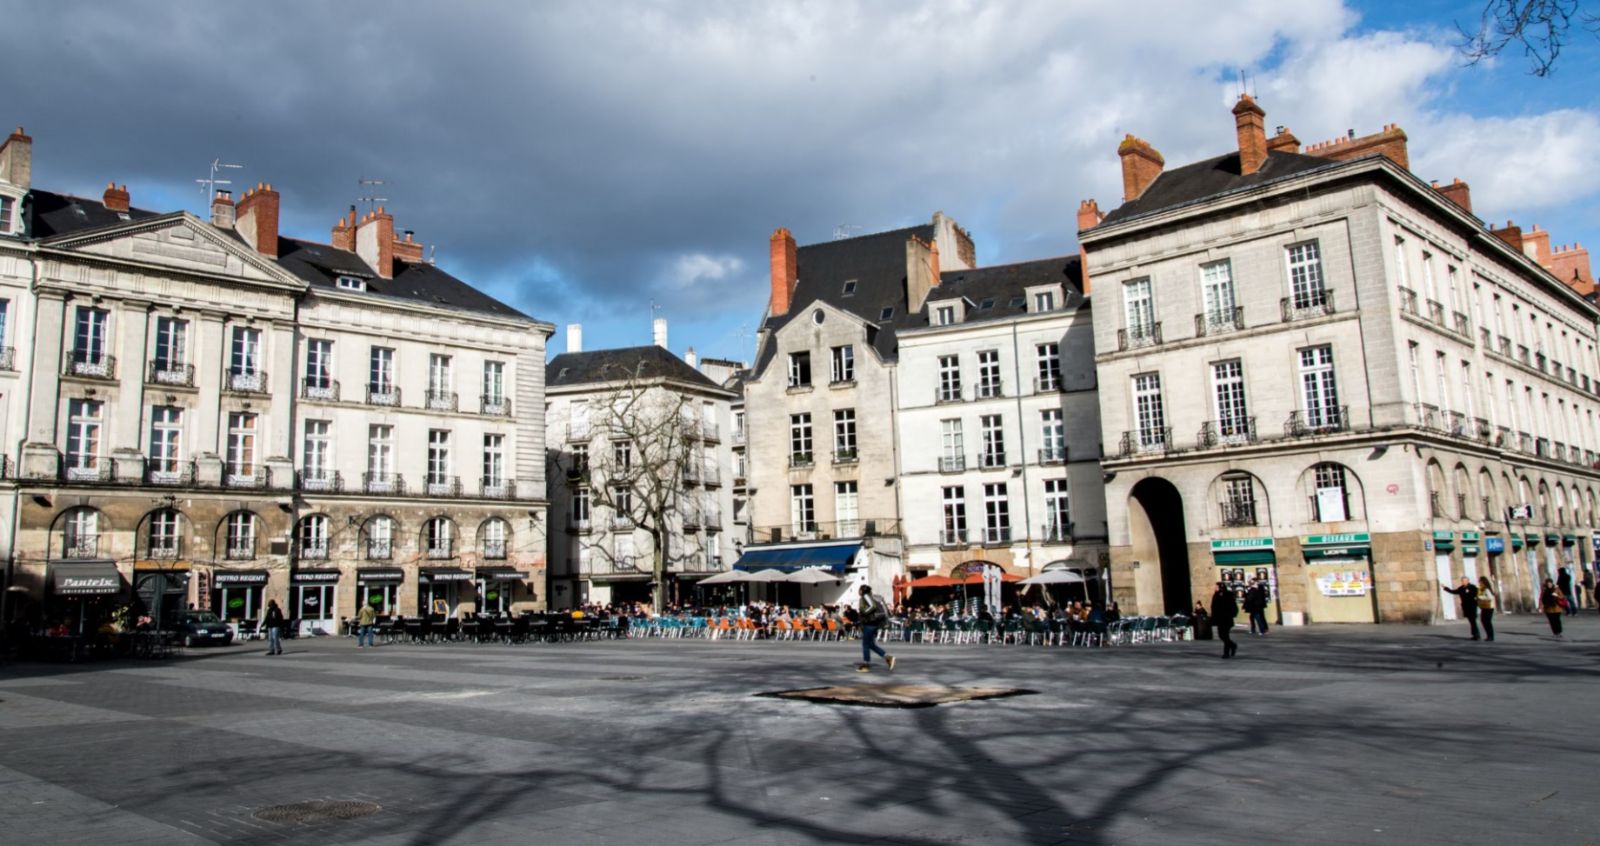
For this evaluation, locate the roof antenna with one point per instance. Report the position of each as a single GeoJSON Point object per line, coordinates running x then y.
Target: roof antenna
{"type": "Point", "coordinates": [211, 182]}
{"type": "Point", "coordinates": [371, 187]}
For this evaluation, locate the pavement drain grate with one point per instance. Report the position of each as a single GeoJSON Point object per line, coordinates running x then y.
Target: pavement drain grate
{"type": "Point", "coordinates": [895, 695]}
{"type": "Point", "coordinates": [317, 810]}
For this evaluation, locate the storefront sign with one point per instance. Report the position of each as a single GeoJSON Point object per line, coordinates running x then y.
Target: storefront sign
{"type": "Point", "coordinates": [315, 577]}
{"type": "Point", "coordinates": [1241, 543]}
{"type": "Point", "coordinates": [1494, 545]}
{"type": "Point", "coordinates": [1520, 512]}
{"type": "Point", "coordinates": [86, 578]}
{"type": "Point", "coordinates": [1594, 543]}
{"type": "Point", "coordinates": [238, 578]}
{"type": "Point", "coordinates": [1345, 583]}
{"type": "Point", "coordinates": [445, 574]}
{"type": "Point", "coordinates": [375, 575]}
{"type": "Point", "coordinates": [1469, 537]}
{"type": "Point", "coordinates": [1344, 545]}
{"type": "Point", "coordinates": [1347, 538]}
{"type": "Point", "coordinates": [501, 574]}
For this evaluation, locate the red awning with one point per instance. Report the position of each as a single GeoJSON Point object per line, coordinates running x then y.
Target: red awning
{"type": "Point", "coordinates": [946, 581]}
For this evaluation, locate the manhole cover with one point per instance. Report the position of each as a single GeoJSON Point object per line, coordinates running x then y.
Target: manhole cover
{"type": "Point", "coordinates": [896, 695]}
{"type": "Point", "coordinates": [317, 810]}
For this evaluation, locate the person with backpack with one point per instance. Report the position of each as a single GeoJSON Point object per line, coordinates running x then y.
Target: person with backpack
{"type": "Point", "coordinates": [873, 615]}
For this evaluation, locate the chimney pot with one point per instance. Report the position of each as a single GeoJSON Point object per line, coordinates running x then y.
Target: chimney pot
{"type": "Point", "coordinates": [659, 332]}
{"type": "Point", "coordinates": [116, 198]}
{"type": "Point", "coordinates": [574, 337]}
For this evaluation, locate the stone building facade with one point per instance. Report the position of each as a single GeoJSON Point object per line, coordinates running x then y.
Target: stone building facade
{"type": "Point", "coordinates": [1319, 370]}
{"type": "Point", "coordinates": [209, 414]}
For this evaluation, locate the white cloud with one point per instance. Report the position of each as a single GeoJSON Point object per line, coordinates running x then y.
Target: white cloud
{"type": "Point", "coordinates": [1516, 165]}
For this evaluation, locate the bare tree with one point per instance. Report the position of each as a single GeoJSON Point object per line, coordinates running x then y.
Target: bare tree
{"type": "Point", "coordinates": [645, 444]}
{"type": "Point", "coordinates": [1541, 27]}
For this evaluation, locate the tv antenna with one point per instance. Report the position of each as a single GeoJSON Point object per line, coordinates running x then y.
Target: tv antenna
{"type": "Point", "coordinates": [845, 230]}
{"type": "Point", "coordinates": [369, 189]}
{"type": "Point", "coordinates": [211, 182]}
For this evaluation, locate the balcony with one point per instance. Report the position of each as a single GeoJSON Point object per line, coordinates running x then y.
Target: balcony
{"type": "Point", "coordinates": [322, 389]}
{"type": "Point", "coordinates": [800, 459]}
{"type": "Point", "coordinates": [1524, 354]}
{"type": "Point", "coordinates": [1484, 338]}
{"type": "Point", "coordinates": [438, 549]}
{"type": "Point", "coordinates": [947, 394]}
{"type": "Point", "coordinates": [1056, 454]}
{"type": "Point", "coordinates": [1427, 416]}
{"type": "Point", "coordinates": [168, 471]}
{"type": "Point", "coordinates": [383, 483]}
{"type": "Point", "coordinates": [845, 456]}
{"type": "Point", "coordinates": [240, 549]}
{"type": "Point", "coordinates": [1322, 421]}
{"type": "Point", "coordinates": [244, 477]}
{"type": "Point", "coordinates": [738, 437]}
{"type": "Point", "coordinates": [713, 519]}
{"type": "Point", "coordinates": [813, 530]}
{"type": "Point", "coordinates": [994, 535]}
{"type": "Point", "coordinates": [1146, 441]}
{"type": "Point", "coordinates": [1232, 432]}
{"type": "Point", "coordinates": [691, 473]}
{"type": "Point", "coordinates": [1482, 429]}
{"type": "Point", "coordinates": [621, 523]}
{"type": "Point", "coordinates": [164, 548]}
{"type": "Point", "coordinates": [1503, 438]}
{"type": "Point", "coordinates": [1456, 424]}
{"type": "Point", "coordinates": [1238, 512]}
{"type": "Point", "coordinates": [710, 432]}
{"type": "Point", "coordinates": [578, 432]}
{"type": "Point", "coordinates": [170, 374]}
{"type": "Point", "coordinates": [1505, 346]}
{"type": "Point", "coordinates": [1219, 323]}
{"type": "Point", "coordinates": [1307, 305]}
{"type": "Point", "coordinates": [5, 467]}
{"type": "Point", "coordinates": [8, 358]}
{"type": "Point", "coordinates": [319, 481]}
{"type": "Point", "coordinates": [383, 395]}
{"type": "Point", "coordinates": [953, 538]}
{"type": "Point", "coordinates": [241, 381]}
{"type": "Point", "coordinates": [81, 546]}
{"type": "Point", "coordinates": [445, 486]}
{"type": "Point", "coordinates": [91, 365]}
{"type": "Point", "coordinates": [316, 550]}
{"type": "Point", "coordinates": [1136, 337]}
{"type": "Point", "coordinates": [711, 475]}
{"type": "Point", "coordinates": [494, 405]}
{"type": "Point", "coordinates": [952, 463]}
{"type": "Point", "coordinates": [990, 388]}
{"type": "Point", "coordinates": [1408, 302]}
{"type": "Point", "coordinates": [1058, 532]}
{"type": "Point", "coordinates": [497, 487]}
{"type": "Point", "coordinates": [991, 460]}
{"type": "Point", "coordinates": [1541, 447]}
{"type": "Point", "coordinates": [1525, 443]}
{"type": "Point", "coordinates": [1558, 451]}
{"type": "Point", "coordinates": [86, 468]}
{"type": "Point", "coordinates": [691, 519]}
{"type": "Point", "coordinates": [1436, 313]}
{"type": "Point", "coordinates": [1461, 324]}
{"type": "Point", "coordinates": [1539, 361]}
{"type": "Point", "coordinates": [494, 550]}
{"type": "Point", "coordinates": [439, 400]}
{"type": "Point", "coordinates": [380, 549]}
{"type": "Point", "coordinates": [579, 525]}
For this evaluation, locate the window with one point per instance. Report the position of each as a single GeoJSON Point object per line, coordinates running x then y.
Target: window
{"type": "Point", "coordinates": [944, 316]}
{"type": "Point", "coordinates": [1057, 511]}
{"type": "Point", "coordinates": [622, 508]}
{"type": "Point", "coordinates": [1238, 501]}
{"type": "Point", "coordinates": [986, 304]}
{"type": "Point", "coordinates": [886, 314]}
{"type": "Point", "coordinates": [6, 205]}
{"type": "Point", "coordinates": [1401, 271]}
{"type": "Point", "coordinates": [81, 534]}
{"type": "Point", "coordinates": [1052, 436]}
{"type": "Point", "coordinates": [954, 532]}
{"type": "Point", "coordinates": [1416, 370]}
{"type": "Point", "coordinates": [1049, 363]}
{"type": "Point", "coordinates": [622, 457]}
{"type": "Point", "coordinates": [440, 396]}
{"type": "Point", "coordinates": [380, 458]}
{"type": "Point", "coordinates": [494, 387]}
{"type": "Point", "coordinates": [241, 536]}
{"type": "Point", "coordinates": [380, 377]}
{"type": "Point", "coordinates": [844, 364]}
{"type": "Point", "coordinates": [166, 443]}
{"type": "Point", "coordinates": [438, 538]}
{"type": "Point", "coordinates": [89, 339]}
{"type": "Point", "coordinates": [319, 369]}
{"type": "Point", "coordinates": [996, 514]}
{"type": "Point", "coordinates": [1216, 283]}
{"type": "Point", "coordinates": [1318, 388]}
{"type": "Point", "coordinates": [163, 541]}
{"type": "Point", "coordinates": [245, 359]}
{"type": "Point", "coordinates": [802, 510]}
{"type": "Point", "coordinates": [5, 306]}
{"type": "Point", "coordinates": [84, 429]}
{"type": "Point", "coordinates": [380, 538]}
{"type": "Point", "coordinates": [994, 441]}
{"type": "Point", "coordinates": [1441, 381]}
{"type": "Point", "coordinates": [494, 539]}
{"type": "Point", "coordinates": [1331, 501]}
{"type": "Point", "coordinates": [1305, 276]}
{"type": "Point", "coordinates": [1138, 310]}
{"type": "Point", "coordinates": [953, 456]}
{"type": "Point", "coordinates": [241, 447]}
{"type": "Point", "coordinates": [849, 288]}
{"type": "Point", "coordinates": [844, 434]}
{"type": "Point", "coordinates": [580, 508]}
{"type": "Point", "coordinates": [845, 509]}
{"type": "Point", "coordinates": [1227, 387]}
{"type": "Point", "coordinates": [1044, 301]}
{"type": "Point", "coordinates": [438, 459]}
{"type": "Point", "coordinates": [580, 460]}
{"type": "Point", "coordinates": [314, 537]}
{"type": "Point", "coordinates": [171, 350]}
{"type": "Point", "coordinates": [800, 439]}
{"type": "Point", "coordinates": [800, 370]}
{"type": "Point", "coordinates": [494, 461]}
{"type": "Point", "coordinates": [1149, 415]}
{"type": "Point", "coordinates": [949, 378]}
{"type": "Point", "coordinates": [318, 472]}
{"type": "Point", "coordinates": [351, 283]}
{"type": "Point", "coordinates": [988, 374]}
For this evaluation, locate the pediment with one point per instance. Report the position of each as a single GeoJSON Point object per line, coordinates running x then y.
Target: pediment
{"type": "Point", "coordinates": [180, 242]}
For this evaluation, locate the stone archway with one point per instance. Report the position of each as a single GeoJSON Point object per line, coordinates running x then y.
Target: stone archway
{"type": "Point", "coordinates": [1159, 539]}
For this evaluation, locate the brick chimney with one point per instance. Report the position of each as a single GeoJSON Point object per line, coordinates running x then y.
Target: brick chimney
{"type": "Point", "coordinates": [1456, 192]}
{"type": "Point", "coordinates": [1390, 142]}
{"type": "Point", "coordinates": [408, 248]}
{"type": "Point", "coordinates": [1510, 233]}
{"type": "Point", "coordinates": [344, 232]}
{"type": "Point", "coordinates": [1283, 142]}
{"type": "Point", "coordinates": [16, 160]}
{"type": "Point", "coordinates": [1141, 164]}
{"type": "Point", "coordinates": [785, 271]}
{"type": "Point", "coordinates": [1089, 217]}
{"type": "Point", "coordinates": [222, 211]}
{"type": "Point", "coordinates": [257, 219]}
{"type": "Point", "coordinates": [1250, 121]}
{"type": "Point", "coordinates": [375, 242]}
{"type": "Point", "coordinates": [115, 198]}
{"type": "Point", "coordinates": [1536, 245]}
{"type": "Point", "coordinates": [922, 271]}
{"type": "Point", "coordinates": [1571, 265]}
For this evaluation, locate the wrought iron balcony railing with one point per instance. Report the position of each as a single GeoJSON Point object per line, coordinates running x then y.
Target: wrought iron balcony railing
{"type": "Point", "coordinates": [91, 365]}
{"type": "Point", "coordinates": [1321, 421]}
{"type": "Point", "coordinates": [1219, 323]}
{"type": "Point", "coordinates": [324, 389]}
{"type": "Point", "coordinates": [384, 395]}
{"type": "Point", "coordinates": [170, 373]}
{"type": "Point", "coordinates": [1135, 337]}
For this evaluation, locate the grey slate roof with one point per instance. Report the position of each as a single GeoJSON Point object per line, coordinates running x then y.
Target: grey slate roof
{"type": "Point", "coordinates": [651, 362]}
{"type": "Point", "coordinates": [55, 214]}
{"type": "Point", "coordinates": [1212, 177]}
{"type": "Point", "coordinates": [1002, 284]}
{"type": "Point", "coordinates": [321, 265]}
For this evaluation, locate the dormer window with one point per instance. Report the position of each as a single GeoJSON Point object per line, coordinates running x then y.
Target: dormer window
{"type": "Point", "coordinates": [1044, 301]}
{"type": "Point", "coordinates": [849, 285]}
{"type": "Point", "coordinates": [352, 283]}
{"type": "Point", "coordinates": [987, 304]}
{"type": "Point", "coordinates": [1017, 302]}
{"type": "Point", "coordinates": [944, 315]}
{"type": "Point", "coordinates": [1045, 298]}
{"type": "Point", "coordinates": [887, 313]}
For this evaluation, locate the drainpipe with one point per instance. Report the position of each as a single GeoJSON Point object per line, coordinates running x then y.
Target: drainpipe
{"type": "Point", "coordinates": [1022, 446]}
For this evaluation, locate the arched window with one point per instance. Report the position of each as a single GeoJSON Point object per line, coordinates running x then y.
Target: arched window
{"type": "Point", "coordinates": [239, 530]}
{"type": "Point", "coordinates": [1330, 493]}
{"type": "Point", "coordinates": [1237, 498]}
{"type": "Point", "coordinates": [1561, 504]}
{"type": "Point", "coordinates": [80, 534]}
{"type": "Point", "coordinates": [438, 538]}
{"type": "Point", "coordinates": [492, 538]}
{"type": "Point", "coordinates": [1436, 489]}
{"type": "Point", "coordinates": [1463, 484]}
{"type": "Point", "coordinates": [314, 537]}
{"type": "Point", "coordinates": [379, 538]}
{"type": "Point", "coordinates": [1486, 495]}
{"type": "Point", "coordinates": [1544, 503]}
{"type": "Point", "coordinates": [162, 537]}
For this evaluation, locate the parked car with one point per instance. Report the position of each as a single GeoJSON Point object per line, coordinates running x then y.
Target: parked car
{"type": "Point", "coordinates": [195, 628]}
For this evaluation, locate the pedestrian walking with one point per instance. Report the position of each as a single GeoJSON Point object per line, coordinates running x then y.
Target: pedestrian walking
{"type": "Point", "coordinates": [1255, 604]}
{"type": "Point", "coordinates": [1550, 604]}
{"type": "Point", "coordinates": [1467, 592]}
{"type": "Point", "coordinates": [365, 618]}
{"type": "Point", "coordinates": [1223, 609]}
{"type": "Point", "coordinates": [1487, 602]}
{"type": "Point", "coordinates": [1564, 585]}
{"type": "Point", "coordinates": [273, 622]}
{"type": "Point", "coordinates": [873, 614]}
{"type": "Point", "coordinates": [1588, 588]}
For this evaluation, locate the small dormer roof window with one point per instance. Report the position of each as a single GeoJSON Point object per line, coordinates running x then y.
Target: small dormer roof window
{"type": "Point", "coordinates": [987, 303]}
{"type": "Point", "coordinates": [887, 313]}
{"type": "Point", "coordinates": [351, 283]}
{"type": "Point", "coordinates": [849, 288]}
{"type": "Point", "coordinates": [1018, 302]}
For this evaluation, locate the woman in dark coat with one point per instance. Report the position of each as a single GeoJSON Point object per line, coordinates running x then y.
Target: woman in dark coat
{"type": "Point", "coordinates": [1223, 609]}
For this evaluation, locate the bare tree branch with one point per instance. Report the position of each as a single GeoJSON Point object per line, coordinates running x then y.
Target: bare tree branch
{"type": "Point", "coordinates": [1542, 28]}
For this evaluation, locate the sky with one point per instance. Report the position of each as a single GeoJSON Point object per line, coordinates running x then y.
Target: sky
{"type": "Point", "coordinates": [604, 163]}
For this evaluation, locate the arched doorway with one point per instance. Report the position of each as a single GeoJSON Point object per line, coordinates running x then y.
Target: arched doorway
{"type": "Point", "coordinates": [1159, 537]}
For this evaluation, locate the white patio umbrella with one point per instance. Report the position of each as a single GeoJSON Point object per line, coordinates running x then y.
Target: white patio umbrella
{"type": "Point", "coordinates": [812, 576]}
{"type": "Point", "coordinates": [729, 577]}
{"type": "Point", "coordinates": [761, 576]}
{"type": "Point", "coordinates": [1055, 577]}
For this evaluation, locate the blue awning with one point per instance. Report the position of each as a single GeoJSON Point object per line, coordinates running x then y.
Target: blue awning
{"type": "Point", "coordinates": [833, 556]}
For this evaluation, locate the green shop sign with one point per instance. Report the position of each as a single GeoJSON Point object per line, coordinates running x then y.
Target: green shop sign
{"type": "Point", "coordinates": [1531, 540]}
{"type": "Point", "coordinates": [1344, 545]}
{"type": "Point", "coordinates": [1469, 537]}
{"type": "Point", "coordinates": [1241, 551]}
{"type": "Point", "coordinates": [1469, 550]}
{"type": "Point", "coordinates": [1444, 541]}
{"type": "Point", "coordinates": [1241, 543]}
